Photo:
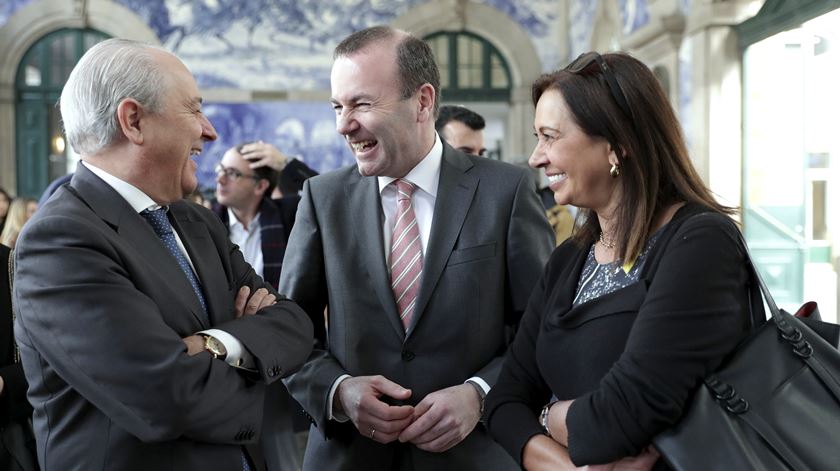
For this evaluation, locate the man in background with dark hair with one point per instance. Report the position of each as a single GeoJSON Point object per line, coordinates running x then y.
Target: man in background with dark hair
{"type": "Point", "coordinates": [258, 226]}
{"type": "Point", "coordinates": [424, 257]}
{"type": "Point", "coordinates": [291, 171]}
{"type": "Point", "coordinates": [462, 129]}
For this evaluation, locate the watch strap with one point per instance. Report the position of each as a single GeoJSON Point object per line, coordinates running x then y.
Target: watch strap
{"type": "Point", "coordinates": [544, 418]}
{"type": "Point", "coordinates": [481, 394]}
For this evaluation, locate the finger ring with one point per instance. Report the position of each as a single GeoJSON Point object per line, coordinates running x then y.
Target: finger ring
{"type": "Point", "coordinates": [372, 431]}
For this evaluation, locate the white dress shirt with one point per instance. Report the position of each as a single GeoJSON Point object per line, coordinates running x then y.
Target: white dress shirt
{"type": "Point", "coordinates": [139, 201]}
{"type": "Point", "coordinates": [249, 240]}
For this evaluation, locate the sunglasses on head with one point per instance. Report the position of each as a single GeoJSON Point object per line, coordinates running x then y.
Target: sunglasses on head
{"type": "Point", "coordinates": [585, 60]}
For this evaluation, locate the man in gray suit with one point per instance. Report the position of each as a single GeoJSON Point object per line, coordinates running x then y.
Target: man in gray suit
{"type": "Point", "coordinates": [147, 341]}
{"type": "Point", "coordinates": [424, 258]}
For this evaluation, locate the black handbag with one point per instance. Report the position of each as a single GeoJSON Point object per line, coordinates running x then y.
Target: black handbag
{"type": "Point", "coordinates": [774, 404]}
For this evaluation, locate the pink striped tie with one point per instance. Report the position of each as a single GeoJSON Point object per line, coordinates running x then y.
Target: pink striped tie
{"type": "Point", "coordinates": [406, 259]}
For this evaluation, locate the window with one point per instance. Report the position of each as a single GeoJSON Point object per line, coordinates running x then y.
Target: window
{"type": "Point", "coordinates": [471, 69]}
{"type": "Point", "coordinates": [42, 152]}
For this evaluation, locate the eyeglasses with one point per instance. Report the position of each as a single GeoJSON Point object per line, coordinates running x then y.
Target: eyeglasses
{"type": "Point", "coordinates": [588, 58]}
{"type": "Point", "coordinates": [232, 173]}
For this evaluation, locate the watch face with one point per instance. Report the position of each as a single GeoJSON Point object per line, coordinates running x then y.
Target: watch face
{"type": "Point", "coordinates": [214, 346]}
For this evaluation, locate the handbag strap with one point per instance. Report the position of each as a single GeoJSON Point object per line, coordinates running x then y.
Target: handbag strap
{"type": "Point", "coordinates": [765, 291]}
{"type": "Point", "coordinates": [801, 345]}
{"type": "Point", "coordinates": [11, 305]}
{"type": "Point", "coordinates": [689, 211]}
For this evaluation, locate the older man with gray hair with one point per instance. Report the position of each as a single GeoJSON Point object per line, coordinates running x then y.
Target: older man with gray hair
{"type": "Point", "coordinates": [148, 342]}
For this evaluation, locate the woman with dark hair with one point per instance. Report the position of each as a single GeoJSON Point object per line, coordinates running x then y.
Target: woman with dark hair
{"type": "Point", "coordinates": [646, 298]}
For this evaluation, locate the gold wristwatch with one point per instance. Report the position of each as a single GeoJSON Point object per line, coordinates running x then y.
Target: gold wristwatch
{"type": "Point", "coordinates": [215, 347]}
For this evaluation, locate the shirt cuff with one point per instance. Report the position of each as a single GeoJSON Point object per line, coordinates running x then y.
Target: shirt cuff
{"type": "Point", "coordinates": [480, 383]}
{"type": "Point", "coordinates": [337, 417]}
{"type": "Point", "coordinates": [237, 355]}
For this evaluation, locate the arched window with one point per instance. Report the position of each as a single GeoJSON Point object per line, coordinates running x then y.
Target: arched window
{"type": "Point", "coordinates": [42, 152]}
{"type": "Point", "coordinates": [471, 69]}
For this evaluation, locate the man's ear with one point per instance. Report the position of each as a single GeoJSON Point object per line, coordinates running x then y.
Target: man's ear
{"type": "Point", "coordinates": [262, 185]}
{"type": "Point", "coordinates": [129, 115]}
{"type": "Point", "coordinates": [426, 102]}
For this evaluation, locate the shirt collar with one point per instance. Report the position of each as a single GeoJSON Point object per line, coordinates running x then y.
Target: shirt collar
{"type": "Point", "coordinates": [138, 200]}
{"type": "Point", "coordinates": [426, 174]}
{"type": "Point", "coordinates": [233, 221]}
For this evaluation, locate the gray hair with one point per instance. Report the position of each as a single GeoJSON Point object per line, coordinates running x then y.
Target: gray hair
{"type": "Point", "coordinates": [108, 73]}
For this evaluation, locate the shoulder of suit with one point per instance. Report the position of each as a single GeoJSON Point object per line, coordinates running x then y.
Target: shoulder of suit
{"type": "Point", "coordinates": [497, 166]}
{"type": "Point", "coordinates": [340, 177]}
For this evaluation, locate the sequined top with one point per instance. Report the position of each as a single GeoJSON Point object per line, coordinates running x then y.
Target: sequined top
{"type": "Point", "coordinates": [598, 279]}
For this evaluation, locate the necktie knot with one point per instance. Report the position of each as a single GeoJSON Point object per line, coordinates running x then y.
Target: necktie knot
{"type": "Point", "coordinates": [404, 189]}
{"type": "Point", "coordinates": [158, 220]}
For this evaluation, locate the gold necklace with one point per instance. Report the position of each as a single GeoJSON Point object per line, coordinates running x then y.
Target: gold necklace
{"type": "Point", "coordinates": [604, 242]}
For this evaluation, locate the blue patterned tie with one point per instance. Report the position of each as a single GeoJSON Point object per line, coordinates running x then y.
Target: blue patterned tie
{"type": "Point", "coordinates": [160, 223]}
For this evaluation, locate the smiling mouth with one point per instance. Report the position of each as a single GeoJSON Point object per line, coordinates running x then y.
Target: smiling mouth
{"type": "Point", "coordinates": [362, 146]}
{"type": "Point", "coordinates": [556, 178]}
{"type": "Point", "coordinates": [195, 152]}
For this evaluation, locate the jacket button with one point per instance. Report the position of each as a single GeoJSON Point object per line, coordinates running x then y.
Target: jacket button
{"type": "Point", "coordinates": [407, 355]}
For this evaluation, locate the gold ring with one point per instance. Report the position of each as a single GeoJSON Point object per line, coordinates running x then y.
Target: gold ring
{"type": "Point", "coordinates": [372, 431]}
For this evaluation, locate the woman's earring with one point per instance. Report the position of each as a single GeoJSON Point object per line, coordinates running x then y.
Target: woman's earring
{"type": "Point", "coordinates": [615, 171]}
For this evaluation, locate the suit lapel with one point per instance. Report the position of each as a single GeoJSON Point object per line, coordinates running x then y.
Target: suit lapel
{"type": "Point", "coordinates": [363, 199]}
{"type": "Point", "coordinates": [454, 198]}
{"type": "Point", "coordinates": [199, 244]}
{"type": "Point", "coordinates": [137, 233]}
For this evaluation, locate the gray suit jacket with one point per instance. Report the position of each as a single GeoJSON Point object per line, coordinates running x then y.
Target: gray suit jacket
{"type": "Point", "coordinates": [102, 310]}
{"type": "Point", "coordinates": [488, 243]}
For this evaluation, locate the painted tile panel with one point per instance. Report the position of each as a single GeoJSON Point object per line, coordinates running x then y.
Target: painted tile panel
{"type": "Point", "coordinates": [9, 7]}
{"type": "Point", "coordinates": [287, 44]}
{"type": "Point", "coordinates": [581, 24]}
{"type": "Point", "coordinates": [634, 15]}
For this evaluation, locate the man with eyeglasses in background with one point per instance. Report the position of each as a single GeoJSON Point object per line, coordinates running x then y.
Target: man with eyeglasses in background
{"type": "Point", "coordinates": [260, 227]}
